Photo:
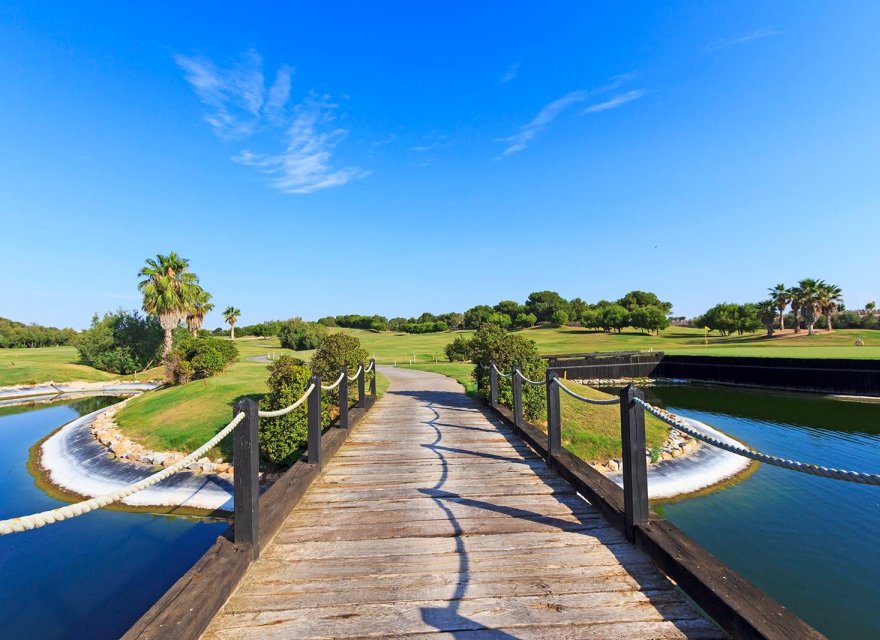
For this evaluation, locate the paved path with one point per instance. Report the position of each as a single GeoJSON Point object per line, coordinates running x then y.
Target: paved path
{"type": "Point", "coordinates": [433, 521]}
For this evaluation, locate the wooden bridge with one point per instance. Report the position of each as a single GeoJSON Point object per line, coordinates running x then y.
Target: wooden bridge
{"type": "Point", "coordinates": [439, 518]}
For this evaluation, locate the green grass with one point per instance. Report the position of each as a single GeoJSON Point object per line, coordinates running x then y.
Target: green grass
{"type": "Point", "coordinates": [56, 364]}
{"type": "Point", "coordinates": [591, 432]}
{"type": "Point", "coordinates": [458, 371]}
{"type": "Point", "coordinates": [392, 348]}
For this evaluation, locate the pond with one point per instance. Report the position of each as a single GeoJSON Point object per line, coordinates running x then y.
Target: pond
{"type": "Point", "coordinates": [91, 576]}
{"type": "Point", "coordinates": [812, 543]}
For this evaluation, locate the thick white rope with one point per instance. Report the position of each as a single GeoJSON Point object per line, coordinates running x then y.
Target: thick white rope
{"type": "Point", "coordinates": [280, 412]}
{"type": "Point", "coordinates": [370, 368]}
{"type": "Point", "coordinates": [330, 387]}
{"type": "Point", "coordinates": [582, 398]}
{"type": "Point", "coordinates": [776, 461]}
{"type": "Point", "coordinates": [357, 375]}
{"type": "Point", "coordinates": [534, 383]}
{"type": "Point", "coordinates": [503, 375]}
{"type": "Point", "coordinates": [37, 520]}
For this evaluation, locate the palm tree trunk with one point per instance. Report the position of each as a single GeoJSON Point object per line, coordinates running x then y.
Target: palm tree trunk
{"type": "Point", "coordinates": [232, 332]}
{"type": "Point", "coordinates": [168, 343]}
{"type": "Point", "coordinates": [828, 315]}
{"type": "Point", "coordinates": [782, 319]}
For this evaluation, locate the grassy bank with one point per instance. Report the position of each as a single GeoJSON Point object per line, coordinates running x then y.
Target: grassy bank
{"type": "Point", "coordinates": [591, 432]}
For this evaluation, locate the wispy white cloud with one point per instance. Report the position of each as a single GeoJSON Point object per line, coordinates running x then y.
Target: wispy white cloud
{"type": "Point", "coordinates": [510, 74]}
{"type": "Point", "coordinates": [615, 101]}
{"type": "Point", "coordinates": [305, 166]}
{"type": "Point", "coordinates": [746, 37]}
{"type": "Point", "coordinates": [532, 129]}
{"type": "Point", "coordinates": [232, 97]}
{"type": "Point", "coordinates": [238, 104]}
{"type": "Point", "coordinates": [548, 114]}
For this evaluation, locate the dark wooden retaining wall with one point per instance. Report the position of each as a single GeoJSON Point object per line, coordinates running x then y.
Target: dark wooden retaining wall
{"type": "Point", "coordinates": [850, 377]}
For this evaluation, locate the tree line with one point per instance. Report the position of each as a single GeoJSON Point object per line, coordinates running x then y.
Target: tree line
{"type": "Point", "coordinates": [17, 335]}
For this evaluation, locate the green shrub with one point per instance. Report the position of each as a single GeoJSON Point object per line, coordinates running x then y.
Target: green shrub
{"type": "Point", "coordinates": [299, 335]}
{"type": "Point", "coordinates": [525, 320]}
{"type": "Point", "coordinates": [559, 318]}
{"type": "Point", "coordinates": [459, 350]}
{"type": "Point", "coordinates": [122, 342]}
{"type": "Point", "coordinates": [336, 351]}
{"type": "Point", "coordinates": [283, 439]}
{"type": "Point", "coordinates": [199, 358]}
{"type": "Point", "coordinates": [492, 343]}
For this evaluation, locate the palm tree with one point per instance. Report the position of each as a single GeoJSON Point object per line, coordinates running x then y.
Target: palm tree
{"type": "Point", "coordinates": [231, 316]}
{"type": "Point", "coordinates": [796, 301]}
{"type": "Point", "coordinates": [767, 313]}
{"type": "Point", "coordinates": [169, 289]}
{"type": "Point", "coordinates": [829, 299]}
{"type": "Point", "coordinates": [811, 296]}
{"type": "Point", "coordinates": [781, 296]}
{"type": "Point", "coordinates": [200, 308]}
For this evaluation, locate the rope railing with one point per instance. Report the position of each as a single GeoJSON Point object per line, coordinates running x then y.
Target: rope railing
{"type": "Point", "coordinates": [330, 387]}
{"type": "Point", "coordinates": [582, 398]}
{"type": "Point", "coordinates": [359, 372]}
{"type": "Point", "coordinates": [758, 456]}
{"type": "Point", "coordinates": [370, 367]}
{"type": "Point", "coordinates": [534, 383]}
{"type": "Point", "coordinates": [280, 412]}
{"type": "Point", "coordinates": [41, 519]}
{"type": "Point", "coordinates": [500, 374]}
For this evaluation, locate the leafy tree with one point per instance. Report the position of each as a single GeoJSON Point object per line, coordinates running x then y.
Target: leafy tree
{"type": "Point", "coordinates": [524, 320]}
{"type": "Point", "coordinates": [230, 314]}
{"type": "Point", "coordinates": [559, 318]}
{"type": "Point", "coordinates": [748, 318]}
{"type": "Point", "coordinates": [870, 306]}
{"type": "Point", "coordinates": [459, 350]}
{"type": "Point", "coordinates": [544, 304]}
{"type": "Point", "coordinates": [509, 308]}
{"type": "Point", "coordinates": [649, 318]}
{"type": "Point", "coordinates": [614, 316]}
{"type": "Point", "coordinates": [723, 318]}
{"type": "Point", "coordinates": [297, 334]}
{"type": "Point", "coordinates": [169, 289]}
{"type": "Point", "coordinates": [499, 319]}
{"type": "Point", "coordinates": [637, 299]}
{"type": "Point", "coordinates": [492, 343]}
{"type": "Point", "coordinates": [122, 342]}
{"type": "Point", "coordinates": [17, 334]}
{"type": "Point", "coordinates": [576, 309]}
{"type": "Point", "coordinates": [475, 317]}
{"type": "Point", "coordinates": [327, 321]}
{"type": "Point", "coordinates": [453, 320]}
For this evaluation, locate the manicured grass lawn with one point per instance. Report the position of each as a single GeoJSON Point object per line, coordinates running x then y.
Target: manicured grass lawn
{"type": "Point", "coordinates": [58, 364]}
{"type": "Point", "coordinates": [391, 348]}
{"type": "Point", "coordinates": [591, 432]}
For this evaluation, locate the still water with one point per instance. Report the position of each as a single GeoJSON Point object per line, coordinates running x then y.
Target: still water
{"type": "Point", "coordinates": [92, 576]}
{"type": "Point", "coordinates": [812, 543]}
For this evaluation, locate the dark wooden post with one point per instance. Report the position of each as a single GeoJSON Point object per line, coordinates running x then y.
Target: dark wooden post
{"type": "Point", "coordinates": [373, 379]}
{"type": "Point", "coordinates": [554, 415]}
{"type": "Point", "coordinates": [362, 395]}
{"type": "Point", "coordinates": [343, 399]}
{"type": "Point", "coordinates": [516, 382]}
{"type": "Point", "coordinates": [314, 422]}
{"type": "Point", "coordinates": [635, 465]}
{"type": "Point", "coordinates": [493, 384]}
{"type": "Point", "coordinates": [246, 479]}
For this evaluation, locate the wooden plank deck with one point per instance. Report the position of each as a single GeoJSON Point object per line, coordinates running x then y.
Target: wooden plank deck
{"type": "Point", "coordinates": [434, 521]}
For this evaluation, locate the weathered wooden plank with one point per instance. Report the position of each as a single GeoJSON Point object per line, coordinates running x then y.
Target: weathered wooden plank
{"type": "Point", "coordinates": [433, 520]}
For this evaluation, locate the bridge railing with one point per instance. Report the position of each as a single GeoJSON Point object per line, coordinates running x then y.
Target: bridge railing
{"type": "Point", "coordinates": [739, 607]}
{"type": "Point", "coordinates": [244, 427]}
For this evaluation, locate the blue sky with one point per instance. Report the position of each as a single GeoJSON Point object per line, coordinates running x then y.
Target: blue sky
{"type": "Point", "coordinates": [326, 158]}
